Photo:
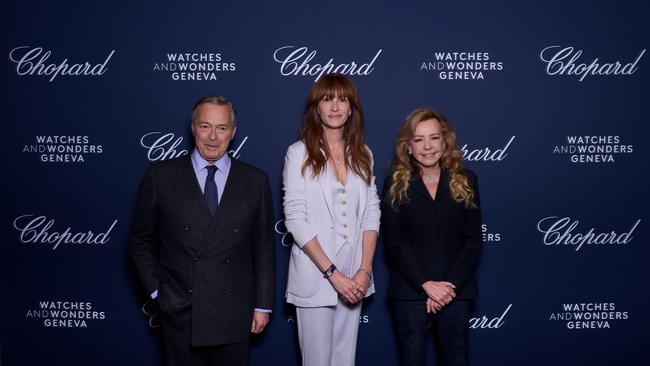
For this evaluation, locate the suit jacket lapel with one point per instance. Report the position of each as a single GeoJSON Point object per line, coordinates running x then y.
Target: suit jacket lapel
{"type": "Point", "coordinates": [190, 195]}
{"type": "Point", "coordinates": [362, 188]}
{"type": "Point", "coordinates": [326, 189]}
{"type": "Point", "coordinates": [235, 188]}
{"type": "Point", "coordinates": [441, 191]}
{"type": "Point", "coordinates": [418, 186]}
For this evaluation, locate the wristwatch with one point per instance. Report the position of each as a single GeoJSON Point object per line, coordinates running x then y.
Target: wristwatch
{"type": "Point", "coordinates": [329, 271]}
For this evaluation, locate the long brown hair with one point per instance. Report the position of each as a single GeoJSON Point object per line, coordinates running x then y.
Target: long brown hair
{"type": "Point", "coordinates": [451, 161]}
{"type": "Point", "coordinates": [311, 131]}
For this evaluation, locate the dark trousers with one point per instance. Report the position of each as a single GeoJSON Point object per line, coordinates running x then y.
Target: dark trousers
{"type": "Point", "coordinates": [178, 350]}
{"type": "Point", "coordinates": [449, 328]}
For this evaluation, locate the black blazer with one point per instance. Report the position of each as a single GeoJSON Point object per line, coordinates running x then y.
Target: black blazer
{"type": "Point", "coordinates": [210, 273]}
{"type": "Point", "coordinates": [431, 240]}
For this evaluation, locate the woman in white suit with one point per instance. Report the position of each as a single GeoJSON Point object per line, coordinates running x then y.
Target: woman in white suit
{"type": "Point", "coordinates": [332, 210]}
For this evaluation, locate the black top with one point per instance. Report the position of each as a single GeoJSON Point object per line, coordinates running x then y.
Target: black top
{"type": "Point", "coordinates": [427, 239]}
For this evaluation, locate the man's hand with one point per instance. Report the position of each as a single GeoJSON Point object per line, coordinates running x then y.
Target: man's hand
{"type": "Point", "coordinates": [260, 320]}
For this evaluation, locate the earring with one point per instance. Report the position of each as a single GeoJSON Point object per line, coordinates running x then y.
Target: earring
{"type": "Point", "coordinates": [409, 151]}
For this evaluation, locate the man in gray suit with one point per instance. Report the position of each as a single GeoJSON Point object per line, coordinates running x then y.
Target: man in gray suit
{"type": "Point", "coordinates": [202, 243]}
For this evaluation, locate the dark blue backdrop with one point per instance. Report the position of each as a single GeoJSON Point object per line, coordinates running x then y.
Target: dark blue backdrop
{"type": "Point", "coordinates": [550, 103]}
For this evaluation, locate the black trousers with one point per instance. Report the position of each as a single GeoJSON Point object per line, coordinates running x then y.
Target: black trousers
{"type": "Point", "coordinates": [178, 350]}
{"type": "Point", "coordinates": [449, 327]}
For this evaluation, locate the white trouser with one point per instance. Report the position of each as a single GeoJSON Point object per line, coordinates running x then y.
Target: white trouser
{"type": "Point", "coordinates": [328, 334]}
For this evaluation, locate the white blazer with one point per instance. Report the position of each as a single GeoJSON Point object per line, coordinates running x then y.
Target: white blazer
{"type": "Point", "coordinates": [308, 212]}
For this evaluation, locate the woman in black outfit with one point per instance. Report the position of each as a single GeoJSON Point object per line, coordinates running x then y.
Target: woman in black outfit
{"type": "Point", "coordinates": [431, 223]}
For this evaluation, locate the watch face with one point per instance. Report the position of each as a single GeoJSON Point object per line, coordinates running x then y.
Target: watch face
{"type": "Point", "coordinates": [330, 271]}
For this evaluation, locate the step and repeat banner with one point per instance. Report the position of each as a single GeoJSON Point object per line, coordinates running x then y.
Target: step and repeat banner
{"type": "Point", "coordinates": [549, 98]}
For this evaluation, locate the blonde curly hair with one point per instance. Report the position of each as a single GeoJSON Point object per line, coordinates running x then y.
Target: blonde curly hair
{"type": "Point", "coordinates": [451, 161]}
